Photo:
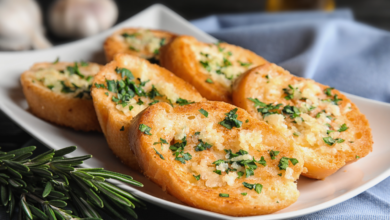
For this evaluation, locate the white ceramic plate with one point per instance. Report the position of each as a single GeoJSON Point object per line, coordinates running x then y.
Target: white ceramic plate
{"type": "Point", "coordinates": [315, 195]}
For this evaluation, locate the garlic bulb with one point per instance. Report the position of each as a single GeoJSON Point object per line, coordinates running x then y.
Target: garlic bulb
{"type": "Point", "coordinates": [21, 26]}
{"type": "Point", "coordinates": [81, 18]}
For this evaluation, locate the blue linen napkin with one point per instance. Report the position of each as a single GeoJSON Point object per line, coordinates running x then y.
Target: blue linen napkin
{"type": "Point", "coordinates": [330, 48]}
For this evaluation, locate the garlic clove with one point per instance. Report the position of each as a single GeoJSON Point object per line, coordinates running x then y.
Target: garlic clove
{"type": "Point", "coordinates": [21, 26]}
{"type": "Point", "coordinates": [81, 18]}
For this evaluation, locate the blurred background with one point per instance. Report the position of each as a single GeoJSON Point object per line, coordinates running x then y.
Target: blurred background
{"type": "Point", "coordinates": [60, 28]}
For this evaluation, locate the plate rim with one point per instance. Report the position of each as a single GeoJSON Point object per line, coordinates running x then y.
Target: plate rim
{"type": "Point", "coordinates": [155, 200]}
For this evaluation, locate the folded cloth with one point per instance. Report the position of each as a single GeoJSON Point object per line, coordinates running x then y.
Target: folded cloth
{"type": "Point", "coordinates": [330, 48]}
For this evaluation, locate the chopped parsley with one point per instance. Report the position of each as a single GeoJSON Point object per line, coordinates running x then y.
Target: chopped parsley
{"type": "Point", "coordinates": [205, 65]}
{"type": "Point", "coordinates": [89, 78]}
{"type": "Point", "coordinates": [273, 154]}
{"type": "Point", "coordinates": [125, 35]}
{"type": "Point", "coordinates": [357, 157]}
{"type": "Point", "coordinates": [343, 128]}
{"type": "Point", "coordinates": [50, 87]}
{"type": "Point", "coordinates": [262, 161]}
{"type": "Point", "coordinates": [124, 72]}
{"type": "Point", "coordinates": [292, 111]}
{"type": "Point", "coordinates": [111, 85]}
{"type": "Point", "coordinates": [182, 102]}
{"type": "Point", "coordinates": [295, 134]}
{"type": "Point", "coordinates": [153, 93]}
{"type": "Point", "coordinates": [162, 141]}
{"type": "Point", "coordinates": [330, 141]}
{"type": "Point", "coordinates": [178, 148]}
{"type": "Point", "coordinates": [145, 129]}
{"type": "Point", "coordinates": [202, 146]}
{"type": "Point", "coordinates": [217, 172]}
{"type": "Point", "coordinates": [244, 64]}
{"type": "Point", "coordinates": [231, 120]}
{"type": "Point", "coordinates": [122, 128]}
{"type": "Point", "coordinates": [159, 154]}
{"type": "Point", "coordinates": [328, 91]}
{"type": "Point", "coordinates": [244, 193]}
{"type": "Point", "coordinates": [140, 102]}
{"type": "Point", "coordinates": [224, 195]}
{"type": "Point", "coordinates": [100, 86]}
{"type": "Point", "coordinates": [240, 174]}
{"type": "Point", "coordinates": [154, 102]}
{"type": "Point", "coordinates": [258, 102]}
{"type": "Point", "coordinates": [83, 63]}
{"type": "Point", "coordinates": [283, 163]}
{"type": "Point", "coordinates": [197, 177]}
{"type": "Point", "coordinates": [56, 61]}
{"type": "Point", "coordinates": [142, 83]}
{"type": "Point", "coordinates": [65, 88]}
{"type": "Point", "coordinates": [204, 112]}
{"type": "Point", "coordinates": [257, 186]}
{"type": "Point", "coordinates": [131, 107]}
{"type": "Point", "coordinates": [74, 70]}
{"type": "Point", "coordinates": [289, 92]}
{"type": "Point", "coordinates": [279, 174]}
{"type": "Point", "coordinates": [197, 133]}
{"type": "Point", "coordinates": [106, 93]}
{"type": "Point", "coordinates": [209, 80]}
{"type": "Point", "coordinates": [246, 121]}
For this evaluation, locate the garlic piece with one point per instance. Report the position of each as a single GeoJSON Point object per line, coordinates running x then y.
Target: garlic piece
{"type": "Point", "coordinates": [21, 26]}
{"type": "Point", "coordinates": [82, 18]}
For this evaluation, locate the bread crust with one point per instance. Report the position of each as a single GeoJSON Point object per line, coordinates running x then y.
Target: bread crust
{"type": "Point", "coordinates": [178, 179]}
{"type": "Point", "coordinates": [115, 44]}
{"type": "Point", "coordinates": [321, 164]}
{"type": "Point", "coordinates": [180, 58]}
{"type": "Point", "coordinates": [114, 123]}
{"type": "Point", "coordinates": [58, 108]}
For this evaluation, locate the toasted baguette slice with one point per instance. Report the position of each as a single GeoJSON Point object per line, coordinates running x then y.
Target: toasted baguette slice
{"type": "Point", "coordinates": [329, 128]}
{"type": "Point", "coordinates": [144, 43]}
{"type": "Point", "coordinates": [60, 93]}
{"type": "Point", "coordinates": [115, 112]}
{"type": "Point", "coordinates": [211, 68]}
{"type": "Point", "coordinates": [189, 153]}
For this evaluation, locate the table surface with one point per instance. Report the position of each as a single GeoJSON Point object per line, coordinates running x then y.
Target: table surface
{"type": "Point", "coordinates": [373, 12]}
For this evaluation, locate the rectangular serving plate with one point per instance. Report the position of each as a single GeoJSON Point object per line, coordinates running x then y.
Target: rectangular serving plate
{"type": "Point", "coordinates": [316, 195]}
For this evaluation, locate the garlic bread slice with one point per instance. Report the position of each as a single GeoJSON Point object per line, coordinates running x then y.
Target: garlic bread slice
{"type": "Point", "coordinates": [328, 127]}
{"type": "Point", "coordinates": [60, 93]}
{"type": "Point", "coordinates": [211, 68]}
{"type": "Point", "coordinates": [144, 43]}
{"type": "Point", "coordinates": [217, 157]}
{"type": "Point", "coordinates": [126, 86]}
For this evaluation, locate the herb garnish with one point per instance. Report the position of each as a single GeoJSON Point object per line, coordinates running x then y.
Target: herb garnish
{"type": "Point", "coordinates": [122, 128]}
{"type": "Point", "coordinates": [283, 163]}
{"type": "Point", "coordinates": [159, 154]}
{"type": "Point", "coordinates": [182, 102]}
{"type": "Point", "coordinates": [74, 70]}
{"type": "Point", "coordinates": [145, 129]}
{"type": "Point", "coordinates": [224, 195]}
{"type": "Point", "coordinates": [178, 149]}
{"type": "Point", "coordinates": [330, 141]}
{"type": "Point", "coordinates": [328, 92]}
{"type": "Point", "coordinates": [257, 186]}
{"type": "Point", "coordinates": [153, 93]}
{"type": "Point", "coordinates": [289, 92]}
{"type": "Point", "coordinates": [231, 120]}
{"type": "Point", "coordinates": [273, 154]}
{"type": "Point", "coordinates": [197, 177]}
{"type": "Point", "coordinates": [343, 128]}
{"type": "Point", "coordinates": [208, 80]}
{"type": "Point", "coordinates": [124, 72]}
{"type": "Point", "coordinates": [202, 146]}
{"type": "Point", "coordinates": [204, 112]}
{"type": "Point", "coordinates": [292, 111]}
{"type": "Point", "coordinates": [244, 64]}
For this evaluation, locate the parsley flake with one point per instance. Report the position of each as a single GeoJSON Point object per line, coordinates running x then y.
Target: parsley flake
{"type": "Point", "coordinates": [204, 112]}
{"type": "Point", "coordinates": [231, 120]}
{"type": "Point", "coordinates": [209, 81]}
{"type": "Point", "coordinates": [273, 154]}
{"type": "Point", "coordinates": [244, 193]}
{"type": "Point", "coordinates": [328, 91]}
{"type": "Point", "coordinates": [122, 128]}
{"type": "Point", "coordinates": [182, 102]}
{"type": "Point", "coordinates": [145, 129]}
{"type": "Point", "coordinates": [124, 72]}
{"type": "Point", "coordinates": [343, 128]}
{"type": "Point", "coordinates": [159, 154]}
{"type": "Point", "coordinates": [197, 177]}
{"type": "Point", "coordinates": [202, 146]}
{"type": "Point", "coordinates": [224, 195]}
{"type": "Point", "coordinates": [257, 186]}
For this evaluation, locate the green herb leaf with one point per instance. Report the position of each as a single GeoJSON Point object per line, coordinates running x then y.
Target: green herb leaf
{"type": "Point", "coordinates": [208, 80]}
{"type": "Point", "coordinates": [273, 154]}
{"type": "Point", "coordinates": [145, 129]}
{"type": "Point", "coordinates": [343, 128]}
{"type": "Point", "coordinates": [197, 177]}
{"type": "Point", "coordinates": [230, 120]}
{"type": "Point", "coordinates": [159, 154]}
{"type": "Point", "coordinates": [224, 195]}
{"type": "Point", "coordinates": [182, 102]}
{"type": "Point", "coordinates": [204, 112]}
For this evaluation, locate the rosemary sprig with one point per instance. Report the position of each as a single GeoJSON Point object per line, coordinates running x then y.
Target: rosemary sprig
{"type": "Point", "coordinates": [50, 186]}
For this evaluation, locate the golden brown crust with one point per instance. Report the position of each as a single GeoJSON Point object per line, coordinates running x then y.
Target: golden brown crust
{"type": "Point", "coordinates": [178, 179]}
{"type": "Point", "coordinates": [115, 123]}
{"type": "Point", "coordinates": [323, 164]}
{"type": "Point", "coordinates": [179, 57]}
{"type": "Point", "coordinates": [115, 43]}
{"type": "Point", "coordinates": [60, 109]}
